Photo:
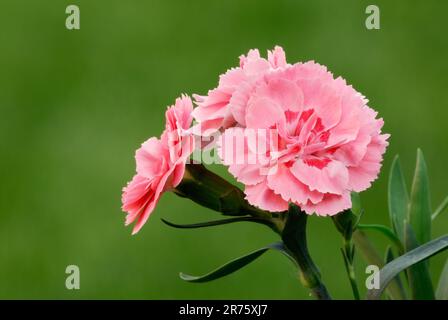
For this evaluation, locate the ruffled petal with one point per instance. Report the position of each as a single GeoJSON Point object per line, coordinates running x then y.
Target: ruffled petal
{"type": "Point", "coordinates": [262, 196]}
{"type": "Point", "coordinates": [150, 159]}
{"type": "Point", "coordinates": [284, 183]}
{"type": "Point", "coordinates": [330, 205]}
{"type": "Point", "coordinates": [331, 178]}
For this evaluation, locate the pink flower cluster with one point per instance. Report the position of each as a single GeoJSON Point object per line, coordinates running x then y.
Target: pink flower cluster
{"type": "Point", "coordinates": [320, 139]}
{"type": "Point", "coordinates": [328, 142]}
{"type": "Point", "coordinates": [160, 164]}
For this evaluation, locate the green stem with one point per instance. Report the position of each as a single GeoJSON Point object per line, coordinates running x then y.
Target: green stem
{"type": "Point", "coordinates": [211, 191]}
{"type": "Point", "coordinates": [294, 238]}
{"type": "Point", "coordinates": [348, 254]}
{"type": "Point", "coordinates": [353, 282]}
{"type": "Point", "coordinates": [345, 223]}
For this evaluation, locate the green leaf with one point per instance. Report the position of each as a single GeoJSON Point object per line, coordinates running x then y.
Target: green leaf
{"type": "Point", "coordinates": [389, 255]}
{"type": "Point", "coordinates": [440, 208]}
{"type": "Point", "coordinates": [418, 275]}
{"type": "Point", "coordinates": [389, 258]}
{"type": "Point", "coordinates": [216, 222]}
{"type": "Point", "coordinates": [442, 288]}
{"type": "Point", "coordinates": [235, 265]}
{"type": "Point", "coordinates": [398, 198]}
{"type": "Point", "coordinates": [356, 209]}
{"type": "Point", "coordinates": [392, 269]}
{"type": "Point", "coordinates": [420, 207]}
{"type": "Point", "coordinates": [356, 203]}
{"type": "Point", "coordinates": [385, 231]}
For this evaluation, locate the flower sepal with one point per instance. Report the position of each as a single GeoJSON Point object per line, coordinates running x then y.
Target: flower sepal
{"type": "Point", "coordinates": [211, 191]}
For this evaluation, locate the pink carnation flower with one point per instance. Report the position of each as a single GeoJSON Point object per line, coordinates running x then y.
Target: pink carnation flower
{"type": "Point", "coordinates": [320, 139]}
{"type": "Point", "coordinates": [214, 111]}
{"type": "Point", "coordinates": [160, 164]}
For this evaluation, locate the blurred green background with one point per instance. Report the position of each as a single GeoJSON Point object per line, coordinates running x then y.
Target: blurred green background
{"type": "Point", "coordinates": [74, 106]}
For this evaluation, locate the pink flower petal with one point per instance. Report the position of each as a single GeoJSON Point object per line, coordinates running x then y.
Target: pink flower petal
{"type": "Point", "coordinates": [277, 57]}
{"type": "Point", "coordinates": [263, 113]}
{"type": "Point", "coordinates": [333, 178]}
{"type": "Point", "coordinates": [284, 92]}
{"type": "Point", "coordinates": [160, 164]}
{"type": "Point", "coordinates": [149, 160]}
{"type": "Point", "coordinates": [284, 183]}
{"type": "Point", "coordinates": [361, 176]}
{"type": "Point", "coordinates": [330, 205]}
{"type": "Point", "coordinates": [261, 196]}
{"type": "Point", "coordinates": [133, 194]}
{"type": "Point", "coordinates": [143, 217]}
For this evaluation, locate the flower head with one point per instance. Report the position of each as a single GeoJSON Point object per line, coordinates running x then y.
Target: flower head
{"type": "Point", "coordinates": [160, 164]}
{"type": "Point", "coordinates": [319, 140]}
{"type": "Point", "coordinates": [214, 110]}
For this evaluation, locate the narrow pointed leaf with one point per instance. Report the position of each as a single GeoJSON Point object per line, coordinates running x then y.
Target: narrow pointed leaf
{"type": "Point", "coordinates": [403, 262]}
{"type": "Point", "coordinates": [356, 203]}
{"type": "Point", "coordinates": [385, 231]}
{"type": "Point", "coordinates": [389, 255]}
{"type": "Point", "coordinates": [234, 265]}
{"type": "Point", "coordinates": [442, 288]}
{"type": "Point", "coordinates": [215, 222]}
{"type": "Point", "coordinates": [420, 206]}
{"type": "Point", "coordinates": [389, 258]}
{"type": "Point", "coordinates": [440, 208]}
{"type": "Point", "coordinates": [418, 275]}
{"type": "Point", "coordinates": [398, 198]}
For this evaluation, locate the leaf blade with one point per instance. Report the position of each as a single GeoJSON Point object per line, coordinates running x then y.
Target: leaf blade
{"type": "Point", "coordinates": [215, 222]}
{"type": "Point", "coordinates": [418, 275]}
{"type": "Point", "coordinates": [442, 207]}
{"type": "Point", "coordinates": [389, 258]}
{"type": "Point", "coordinates": [233, 265]}
{"type": "Point", "coordinates": [419, 215]}
{"type": "Point", "coordinates": [442, 288]}
{"type": "Point", "coordinates": [356, 203]}
{"type": "Point", "coordinates": [405, 261]}
{"type": "Point", "coordinates": [385, 231]}
{"type": "Point", "coordinates": [398, 198]}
